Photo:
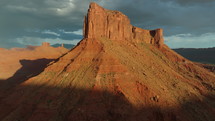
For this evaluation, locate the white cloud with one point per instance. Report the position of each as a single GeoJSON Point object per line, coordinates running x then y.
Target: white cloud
{"type": "Point", "coordinates": [37, 41]}
{"type": "Point", "coordinates": [191, 41]}
{"type": "Point", "coordinates": [66, 9]}
{"type": "Point", "coordinates": [78, 32]}
{"type": "Point", "coordinates": [21, 8]}
{"type": "Point", "coordinates": [47, 7]}
{"type": "Point", "coordinates": [50, 32]}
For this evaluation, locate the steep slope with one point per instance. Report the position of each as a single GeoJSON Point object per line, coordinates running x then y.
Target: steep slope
{"type": "Point", "coordinates": [117, 72]}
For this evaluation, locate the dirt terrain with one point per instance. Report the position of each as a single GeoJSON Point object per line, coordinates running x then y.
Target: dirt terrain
{"type": "Point", "coordinates": [13, 59]}
{"type": "Point", "coordinates": [118, 72]}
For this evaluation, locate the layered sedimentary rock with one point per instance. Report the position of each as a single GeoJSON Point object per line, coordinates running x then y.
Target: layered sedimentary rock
{"type": "Point", "coordinates": [103, 23]}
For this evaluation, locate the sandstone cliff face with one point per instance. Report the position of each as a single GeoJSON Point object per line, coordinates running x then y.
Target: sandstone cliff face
{"type": "Point", "coordinates": [103, 23]}
{"type": "Point", "coordinates": [106, 23]}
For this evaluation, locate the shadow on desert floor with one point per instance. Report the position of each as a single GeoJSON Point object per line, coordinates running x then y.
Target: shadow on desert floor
{"type": "Point", "coordinates": [44, 103]}
{"type": "Point", "coordinates": [30, 68]}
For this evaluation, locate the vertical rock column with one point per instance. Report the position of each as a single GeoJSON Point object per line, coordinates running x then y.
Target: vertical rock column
{"type": "Point", "coordinates": [158, 37]}
{"type": "Point", "coordinates": [100, 22]}
{"type": "Point", "coordinates": [95, 22]}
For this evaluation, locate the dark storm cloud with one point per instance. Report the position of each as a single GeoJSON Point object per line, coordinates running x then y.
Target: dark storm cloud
{"type": "Point", "coordinates": [169, 15]}
{"type": "Point", "coordinates": [20, 16]}
{"type": "Point", "coordinates": [41, 14]}
{"type": "Point", "coordinates": [188, 2]}
{"type": "Point", "coordinates": [59, 19]}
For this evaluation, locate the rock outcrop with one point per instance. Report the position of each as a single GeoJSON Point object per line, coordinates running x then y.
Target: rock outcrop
{"type": "Point", "coordinates": [45, 44]}
{"type": "Point", "coordinates": [103, 23]}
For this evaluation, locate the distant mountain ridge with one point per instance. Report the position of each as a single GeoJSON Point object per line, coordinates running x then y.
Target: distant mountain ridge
{"type": "Point", "coordinates": [67, 46]}
{"type": "Point", "coordinates": [202, 55]}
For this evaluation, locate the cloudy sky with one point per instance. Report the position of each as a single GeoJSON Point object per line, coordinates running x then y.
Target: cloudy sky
{"type": "Point", "coordinates": [186, 23]}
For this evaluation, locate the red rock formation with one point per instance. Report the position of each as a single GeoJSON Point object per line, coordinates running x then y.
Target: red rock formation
{"type": "Point", "coordinates": [103, 23]}
{"type": "Point", "coordinates": [45, 44]}
{"type": "Point", "coordinates": [157, 37]}
{"type": "Point", "coordinates": [107, 77]}
{"type": "Point", "coordinates": [106, 23]}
